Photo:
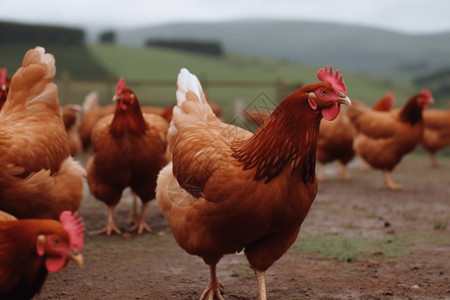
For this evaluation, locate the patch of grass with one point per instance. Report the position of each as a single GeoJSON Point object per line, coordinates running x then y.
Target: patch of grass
{"type": "Point", "coordinates": [440, 226]}
{"type": "Point", "coordinates": [243, 271]}
{"type": "Point", "coordinates": [350, 248]}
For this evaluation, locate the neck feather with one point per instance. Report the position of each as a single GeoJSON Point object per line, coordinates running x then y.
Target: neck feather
{"type": "Point", "coordinates": [411, 113]}
{"type": "Point", "coordinates": [288, 138]}
{"type": "Point", "coordinates": [129, 120]}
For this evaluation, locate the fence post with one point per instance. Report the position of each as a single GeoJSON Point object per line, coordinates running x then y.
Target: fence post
{"type": "Point", "coordinates": [65, 90]}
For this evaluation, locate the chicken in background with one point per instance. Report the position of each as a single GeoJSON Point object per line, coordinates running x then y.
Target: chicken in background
{"type": "Point", "coordinates": [228, 190]}
{"type": "Point", "coordinates": [4, 86]}
{"type": "Point", "coordinates": [31, 248]}
{"type": "Point", "coordinates": [436, 135]}
{"type": "Point", "coordinates": [384, 138]}
{"type": "Point", "coordinates": [130, 148]}
{"type": "Point", "coordinates": [385, 103]}
{"type": "Point", "coordinates": [92, 112]}
{"type": "Point", "coordinates": [335, 142]}
{"type": "Point", "coordinates": [71, 117]}
{"type": "Point", "coordinates": [38, 176]}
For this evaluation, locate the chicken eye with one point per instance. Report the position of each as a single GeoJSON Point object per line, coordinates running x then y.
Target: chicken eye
{"type": "Point", "coordinates": [56, 241]}
{"type": "Point", "coordinates": [323, 92]}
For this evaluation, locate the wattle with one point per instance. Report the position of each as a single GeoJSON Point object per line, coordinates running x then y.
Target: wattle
{"type": "Point", "coordinates": [330, 113]}
{"type": "Point", "coordinates": [55, 264]}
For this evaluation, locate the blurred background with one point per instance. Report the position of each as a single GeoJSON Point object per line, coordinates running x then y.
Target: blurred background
{"type": "Point", "coordinates": [238, 49]}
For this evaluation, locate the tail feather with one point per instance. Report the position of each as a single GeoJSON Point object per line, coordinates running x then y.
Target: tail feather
{"type": "Point", "coordinates": [188, 82]}
{"type": "Point", "coordinates": [169, 194]}
{"type": "Point", "coordinates": [90, 101]}
{"type": "Point", "coordinates": [191, 101]}
{"type": "Point", "coordinates": [32, 86]}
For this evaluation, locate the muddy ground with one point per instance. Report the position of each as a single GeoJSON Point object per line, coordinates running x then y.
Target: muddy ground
{"type": "Point", "coordinates": [409, 256]}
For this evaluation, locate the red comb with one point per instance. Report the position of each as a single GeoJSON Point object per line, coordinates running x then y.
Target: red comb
{"type": "Point", "coordinates": [336, 82]}
{"type": "Point", "coordinates": [74, 227]}
{"type": "Point", "coordinates": [426, 93]}
{"type": "Point", "coordinates": [3, 76]}
{"type": "Point", "coordinates": [120, 86]}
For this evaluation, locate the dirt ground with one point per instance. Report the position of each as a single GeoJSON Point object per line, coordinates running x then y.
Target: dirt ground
{"type": "Point", "coordinates": [153, 266]}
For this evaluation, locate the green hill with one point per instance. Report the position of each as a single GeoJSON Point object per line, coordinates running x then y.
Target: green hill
{"type": "Point", "coordinates": [75, 61]}
{"type": "Point", "coordinates": [140, 64]}
{"type": "Point", "coordinates": [352, 48]}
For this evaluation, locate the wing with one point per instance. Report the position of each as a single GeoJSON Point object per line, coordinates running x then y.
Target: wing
{"type": "Point", "coordinates": [377, 124]}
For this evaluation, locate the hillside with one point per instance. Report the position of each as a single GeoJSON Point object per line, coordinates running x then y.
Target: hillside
{"type": "Point", "coordinates": [141, 65]}
{"type": "Point", "coordinates": [356, 48]}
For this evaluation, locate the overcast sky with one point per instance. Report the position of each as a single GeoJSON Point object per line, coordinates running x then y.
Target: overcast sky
{"type": "Point", "coordinates": [408, 16]}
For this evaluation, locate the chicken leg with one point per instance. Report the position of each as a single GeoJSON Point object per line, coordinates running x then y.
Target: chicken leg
{"type": "Point", "coordinates": [133, 214]}
{"type": "Point", "coordinates": [433, 161]}
{"type": "Point", "coordinates": [141, 224]}
{"type": "Point", "coordinates": [343, 170]}
{"type": "Point", "coordinates": [261, 278]}
{"type": "Point", "coordinates": [390, 184]}
{"type": "Point", "coordinates": [213, 288]}
{"type": "Point", "coordinates": [110, 226]}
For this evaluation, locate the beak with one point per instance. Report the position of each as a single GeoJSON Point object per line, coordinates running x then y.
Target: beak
{"type": "Point", "coordinates": [77, 257]}
{"type": "Point", "coordinates": [3, 87]}
{"type": "Point", "coordinates": [115, 97]}
{"type": "Point", "coordinates": [344, 99]}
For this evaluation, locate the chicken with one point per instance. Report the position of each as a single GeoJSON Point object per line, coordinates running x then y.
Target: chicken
{"type": "Point", "coordinates": [383, 138]}
{"type": "Point", "coordinates": [92, 112]}
{"type": "Point", "coordinates": [385, 103]}
{"type": "Point", "coordinates": [31, 248]}
{"type": "Point", "coordinates": [257, 116]}
{"type": "Point", "coordinates": [4, 86]}
{"type": "Point", "coordinates": [335, 142]}
{"type": "Point", "coordinates": [38, 177]}
{"type": "Point", "coordinates": [129, 151]}
{"type": "Point", "coordinates": [70, 115]}
{"type": "Point", "coordinates": [436, 135]}
{"type": "Point", "coordinates": [228, 190]}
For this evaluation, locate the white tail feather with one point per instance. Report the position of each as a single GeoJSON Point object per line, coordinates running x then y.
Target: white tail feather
{"type": "Point", "coordinates": [90, 101]}
{"type": "Point", "coordinates": [188, 82]}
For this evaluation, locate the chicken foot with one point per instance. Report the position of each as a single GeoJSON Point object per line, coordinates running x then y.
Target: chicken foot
{"type": "Point", "coordinates": [261, 278]}
{"type": "Point", "coordinates": [110, 226]}
{"type": "Point", "coordinates": [390, 184]}
{"type": "Point", "coordinates": [212, 290]}
{"type": "Point", "coordinates": [141, 224]}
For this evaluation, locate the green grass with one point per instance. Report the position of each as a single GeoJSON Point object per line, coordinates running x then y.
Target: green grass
{"type": "Point", "coordinates": [97, 67]}
{"type": "Point", "coordinates": [76, 62]}
{"type": "Point", "coordinates": [350, 248]}
{"type": "Point", "coordinates": [154, 63]}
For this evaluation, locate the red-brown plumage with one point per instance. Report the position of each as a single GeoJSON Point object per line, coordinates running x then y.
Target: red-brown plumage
{"type": "Point", "coordinates": [383, 138]}
{"type": "Point", "coordinates": [130, 149]}
{"type": "Point", "coordinates": [385, 103]}
{"type": "Point", "coordinates": [277, 143]}
{"type": "Point", "coordinates": [27, 250]}
{"type": "Point", "coordinates": [228, 190]}
{"type": "Point", "coordinates": [436, 135]}
{"type": "Point", "coordinates": [38, 177]}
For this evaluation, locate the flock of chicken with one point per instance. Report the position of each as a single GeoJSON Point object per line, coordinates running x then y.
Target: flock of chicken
{"type": "Point", "coordinates": [222, 188]}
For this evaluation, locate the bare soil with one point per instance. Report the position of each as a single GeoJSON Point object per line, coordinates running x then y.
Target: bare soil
{"type": "Point", "coordinates": [153, 266]}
